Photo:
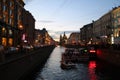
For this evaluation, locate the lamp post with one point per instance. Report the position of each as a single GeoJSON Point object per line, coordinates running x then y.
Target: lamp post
{"type": "Point", "coordinates": [21, 34]}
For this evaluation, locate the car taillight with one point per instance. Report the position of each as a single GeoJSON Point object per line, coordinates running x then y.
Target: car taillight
{"type": "Point", "coordinates": [92, 51]}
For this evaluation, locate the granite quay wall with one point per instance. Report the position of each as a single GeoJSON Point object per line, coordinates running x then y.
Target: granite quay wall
{"type": "Point", "coordinates": [110, 55]}
{"type": "Point", "coordinates": [18, 67]}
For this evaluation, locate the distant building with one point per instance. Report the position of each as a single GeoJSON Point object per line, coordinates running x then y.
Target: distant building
{"type": "Point", "coordinates": [43, 38]}
{"type": "Point", "coordinates": [63, 39]}
{"type": "Point", "coordinates": [74, 38]}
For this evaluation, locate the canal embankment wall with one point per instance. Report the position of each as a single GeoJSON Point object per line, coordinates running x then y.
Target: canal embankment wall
{"type": "Point", "coordinates": [110, 55]}
{"type": "Point", "coordinates": [18, 68]}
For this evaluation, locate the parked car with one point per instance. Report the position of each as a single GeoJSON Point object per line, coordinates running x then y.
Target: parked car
{"type": "Point", "coordinates": [28, 47]}
{"type": "Point", "coordinates": [12, 50]}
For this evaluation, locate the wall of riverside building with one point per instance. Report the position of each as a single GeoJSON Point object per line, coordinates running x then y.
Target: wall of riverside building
{"type": "Point", "coordinates": [22, 66]}
{"type": "Point", "coordinates": [109, 55]}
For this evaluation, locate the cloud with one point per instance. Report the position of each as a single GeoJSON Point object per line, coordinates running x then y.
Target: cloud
{"type": "Point", "coordinates": [27, 1]}
{"type": "Point", "coordinates": [45, 21]}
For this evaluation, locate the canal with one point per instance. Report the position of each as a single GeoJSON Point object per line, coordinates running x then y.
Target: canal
{"type": "Point", "coordinates": [92, 70]}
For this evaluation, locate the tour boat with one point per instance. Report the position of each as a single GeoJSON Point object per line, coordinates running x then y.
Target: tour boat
{"type": "Point", "coordinates": [68, 65]}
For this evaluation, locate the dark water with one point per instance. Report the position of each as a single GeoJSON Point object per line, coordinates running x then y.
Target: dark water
{"type": "Point", "coordinates": [92, 70]}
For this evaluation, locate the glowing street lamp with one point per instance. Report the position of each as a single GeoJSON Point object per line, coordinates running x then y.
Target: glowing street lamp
{"type": "Point", "coordinates": [21, 34]}
{"type": "Point", "coordinates": [20, 27]}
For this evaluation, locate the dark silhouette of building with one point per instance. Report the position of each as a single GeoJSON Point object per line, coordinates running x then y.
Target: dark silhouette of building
{"type": "Point", "coordinates": [63, 39]}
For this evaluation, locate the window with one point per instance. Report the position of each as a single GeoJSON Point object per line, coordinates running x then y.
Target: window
{"type": "Point", "coordinates": [10, 32]}
{"type": "Point", "coordinates": [4, 8]}
{"type": "Point", "coordinates": [4, 41]}
{"type": "Point", "coordinates": [10, 21]}
{"type": "Point", "coordinates": [4, 31]}
{"type": "Point", "coordinates": [10, 3]}
{"type": "Point", "coordinates": [10, 12]}
{"type": "Point", "coordinates": [118, 21]}
{"type": "Point", "coordinates": [10, 41]}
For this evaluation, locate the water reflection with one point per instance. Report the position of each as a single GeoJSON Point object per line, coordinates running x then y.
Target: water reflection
{"type": "Point", "coordinates": [92, 70]}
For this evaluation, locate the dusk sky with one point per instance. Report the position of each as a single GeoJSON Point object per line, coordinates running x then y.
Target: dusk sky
{"type": "Point", "coordinates": [59, 16]}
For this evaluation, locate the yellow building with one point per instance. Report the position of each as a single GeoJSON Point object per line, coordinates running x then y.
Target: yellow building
{"type": "Point", "coordinates": [116, 24]}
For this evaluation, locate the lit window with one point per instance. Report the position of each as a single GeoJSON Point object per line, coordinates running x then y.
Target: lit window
{"type": "Point", "coordinates": [4, 31]}
{"type": "Point", "coordinates": [4, 41]}
{"type": "Point", "coordinates": [10, 32]}
{"type": "Point", "coordinates": [10, 41]}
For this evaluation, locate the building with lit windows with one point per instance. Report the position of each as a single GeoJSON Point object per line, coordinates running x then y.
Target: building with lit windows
{"type": "Point", "coordinates": [106, 30]}
{"type": "Point", "coordinates": [12, 25]}
{"type": "Point", "coordinates": [10, 13]}
{"type": "Point", "coordinates": [43, 38]}
{"type": "Point", "coordinates": [116, 25]}
{"type": "Point", "coordinates": [74, 38]}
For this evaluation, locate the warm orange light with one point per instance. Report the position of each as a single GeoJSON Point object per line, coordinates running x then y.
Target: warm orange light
{"type": "Point", "coordinates": [21, 27]}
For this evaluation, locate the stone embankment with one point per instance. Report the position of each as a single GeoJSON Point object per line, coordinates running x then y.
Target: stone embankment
{"type": "Point", "coordinates": [18, 67]}
{"type": "Point", "coordinates": [109, 55]}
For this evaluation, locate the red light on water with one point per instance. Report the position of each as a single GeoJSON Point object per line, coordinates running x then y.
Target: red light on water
{"type": "Point", "coordinates": [91, 68]}
{"type": "Point", "coordinates": [92, 64]}
{"type": "Point", "coordinates": [99, 52]}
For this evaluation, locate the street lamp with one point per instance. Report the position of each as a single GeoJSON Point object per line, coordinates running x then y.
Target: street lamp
{"type": "Point", "coordinates": [21, 34]}
{"type": "Point", "coordinates": [21, 27]}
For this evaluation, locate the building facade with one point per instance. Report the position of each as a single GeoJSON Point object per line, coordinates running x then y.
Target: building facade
{"type": "Point", "coordinates": [86, 34]}
{"type": "Point", "coordinates": [43, 38]}
{"type": "Point", "coordinates": [10, 12]}
{"type": "Point", "coordinates": [102, 30]}
{"type": "Point", "coordinates": [11, 22]}
{"type": "Point", "coordinates": [116, 24]}
{"type": "Point", "coordinates": [74, 38]}
{"type": "Point", "coordinates": [105, 30]}
{"type": "Point", "coordinates": [28, 23]}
